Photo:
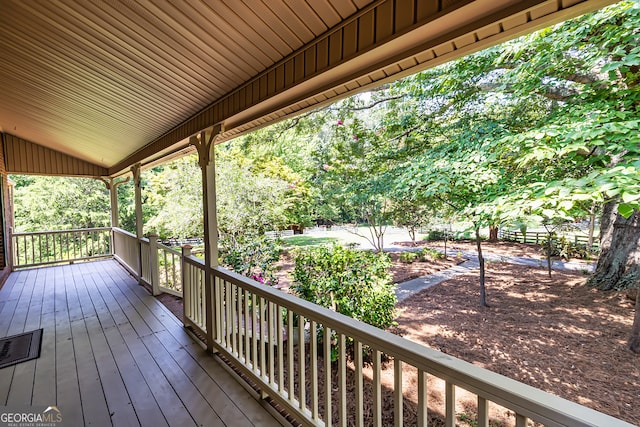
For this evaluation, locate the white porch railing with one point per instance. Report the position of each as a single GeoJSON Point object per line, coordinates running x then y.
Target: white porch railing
{"type": "Point", "coordinates": [254, 325]}
{"type": "Point", "coordinates": [194, 295]}
{"type": "Point", "coordinates": [169, 270]}
{"type": "Point", "coordinates": [279, 342]}
{"type": "Point", "coordinates": [156, 265]}
{"type": "Point", "coordinates": [125, 249]}
{"type": "Point", "coordinates": [51, 247]}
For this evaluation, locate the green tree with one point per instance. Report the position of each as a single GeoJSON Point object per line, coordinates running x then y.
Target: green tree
{"type": "Point", "coordinates": [461, 174]}
{"type": "Point", "coordinates": [362, 153]}
{"type": "Point", "coordinates": [565, 103]}
{"type": "Point", "coordinates": [352, 282]}
{"type": "Point", "coordinates": [248, 202]}
{"type": "Point", "coordinates": [292, 151]}
{"type": "Point", "coordinates": [413, 214]}
{"type": "Point", "coordinates": [45, 203]}
{"type": "Point", "coordinates": [126, 207]}
{"type": "Point", "coordinates": [175, 192]}
{"type": "Point", "coordinates": [592, 65]}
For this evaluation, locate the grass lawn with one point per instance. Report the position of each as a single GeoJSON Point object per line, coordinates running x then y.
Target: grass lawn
{"type": "Point", "coordinates": [304, 240]}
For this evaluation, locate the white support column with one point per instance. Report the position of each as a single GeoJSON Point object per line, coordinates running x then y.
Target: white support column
{"type": "Point", "coordinates": [211, 214]}
{"type": "Point", "coordinates": [205, 144]}
{"type": "Point", "coordinates": [186, 285]}
{"type": "Point", "coordinates": [112, 186]}
{"type": "Point", "coordinates": [113, 192]}
{"type": "Point", "coordinates": [135, 170]}
{"type": "Point", "coordinates": [153, 264]}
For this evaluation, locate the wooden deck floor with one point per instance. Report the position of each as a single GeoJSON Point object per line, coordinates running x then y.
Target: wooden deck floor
{"type": "Point", "coordinates": [113, 355]}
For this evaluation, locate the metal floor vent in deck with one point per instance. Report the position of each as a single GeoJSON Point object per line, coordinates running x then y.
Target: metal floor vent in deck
{"type": "Point", "coordinates": [20, 348]}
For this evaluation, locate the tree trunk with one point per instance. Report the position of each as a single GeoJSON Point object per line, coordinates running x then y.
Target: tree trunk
{"type": "Point", "coordinates": [483, 292]}
{"type": "Point", "coordinates": [412, 234]}
{"type": "Point", "coordinates": [549, 242]}
{"type": "Point", "coordinates": [445, 244]}
{"type": "Point", "coordinates": [592, 226]}
{"type": "Point", "coordinates": [493, 233]}
{"type": "Point", "coordinates": [634, 339]}
{"type": "Point", "coordinates": [619, 263]}
{"type": "Point", "coordinates": [380, 237]}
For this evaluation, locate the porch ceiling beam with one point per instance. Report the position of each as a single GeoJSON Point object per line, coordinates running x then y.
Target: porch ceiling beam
{"type": "Point", "coordinates": [381, 43]}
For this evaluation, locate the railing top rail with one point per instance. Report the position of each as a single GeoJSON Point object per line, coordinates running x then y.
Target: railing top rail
{"type": "Point", "coordinates": [195, 261]}
{"type": "Point", "coordinates": [74, 230]}
{"type": "Point", "coordinates": [169, 249]}
{"type": "Point", "coordinates": [122, 231]}
{"type": "Point", "coordinates": [525, 400]}
{"type": "Point", "coordinates": [145, 240]}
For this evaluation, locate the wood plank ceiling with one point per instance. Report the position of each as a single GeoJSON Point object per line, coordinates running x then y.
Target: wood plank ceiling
{"type": "Point", "coordinates": [118, 82]}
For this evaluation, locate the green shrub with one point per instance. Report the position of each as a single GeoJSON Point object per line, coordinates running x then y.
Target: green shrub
{"type": "Point", "coordinates": [254, 258]}
{"type": "Point", "coordinates": [429, 254]}
{"type": "Point", "coordinates": [455, 235]}
{"type": "Point", "coordinates": [435, 235]}
{"type": "Point", "coordinates": [352, 282]}
{"type": "Point", "coordinates": [565, 248]}
{"type": "Point", "coordinates": [462, 235]}
{"type": "Point", "coordinates": [409, 257]}
{"type": "Point", "coordinates": [571, 249]}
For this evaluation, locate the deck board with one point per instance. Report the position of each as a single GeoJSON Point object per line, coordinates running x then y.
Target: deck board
{"type": "Point", "coordinates": [66, 380]}
{"type": "Point", "coordinates": [118, 401]}
{"type": "Point", "coordinates": [44, 390]}
{"type": "Point", "coordinates": [11, 389]}
{"type": "Point", "coordinates": [113, 355]}
{"type": "Point", "coordinates": [188, 354]}
{"type": "Point", "coordinates": [23, 389]}
{"type": "Point", "coordinates": [94, 404]}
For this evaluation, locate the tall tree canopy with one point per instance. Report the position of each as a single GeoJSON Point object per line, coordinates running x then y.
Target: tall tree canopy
{"type": "Point", "coordinates": [54, 203]}
{"type": "Point", "coordinates": [175, 190]}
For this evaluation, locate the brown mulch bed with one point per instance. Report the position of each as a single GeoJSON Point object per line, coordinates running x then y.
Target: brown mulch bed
{"type": "Point", "coordinates": [554, 333]}
{"type": "Point", "coordinates": [500, 247]}
{"type": "Point", "coordinates": [400, 271]}
{"type": "Point", "coordinates": [173, 303]}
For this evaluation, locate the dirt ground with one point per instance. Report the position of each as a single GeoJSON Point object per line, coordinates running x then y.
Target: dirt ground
{"type": "Point", "coordinates": [400, 271]}
{"type": "Point", "coordinates": [554, 333]}
{"type": "Point", "coordinates": [500, 247]}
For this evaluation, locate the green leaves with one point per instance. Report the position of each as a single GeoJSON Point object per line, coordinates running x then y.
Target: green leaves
{"type": "Point", "coordinates": [57, 203]}
{"type": "Point", "coordinates": [352, 282]}
{"type": "Point", "coordinates": [249, 200]}
{"type": "Point", "coordinates": [626, 210]}
{"type": "Point", "coordinates": [174, 194]}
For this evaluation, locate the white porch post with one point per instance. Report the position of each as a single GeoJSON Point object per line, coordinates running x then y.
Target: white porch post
{"type": "Point", "coordinates": [112, 186]}
{"type": "Point", "coordinates": [113, 192]}
{"type": "Point", "coordinates": [153, 265]}
{"type": "Point", "coordinates": [205, 144]}
{"type": "Point", "coordinates": [135, 170]}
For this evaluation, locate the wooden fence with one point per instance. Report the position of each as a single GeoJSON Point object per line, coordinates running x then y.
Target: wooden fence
{"type": "Point", "coordinates": [538, 237]}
